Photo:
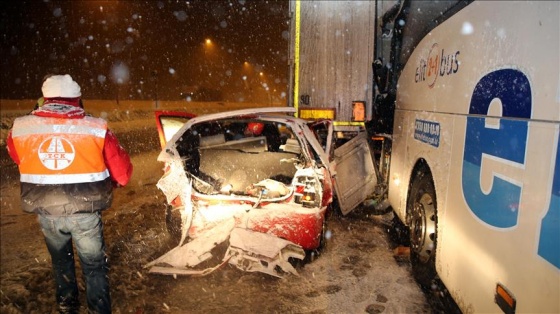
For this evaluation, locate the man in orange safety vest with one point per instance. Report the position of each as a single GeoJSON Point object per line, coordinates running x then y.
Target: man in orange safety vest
{"type": "Point", "coordinates": [69, 163]}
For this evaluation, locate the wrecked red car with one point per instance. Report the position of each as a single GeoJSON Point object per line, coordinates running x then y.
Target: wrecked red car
{"type": "Point", "coordinates": [260, 181]}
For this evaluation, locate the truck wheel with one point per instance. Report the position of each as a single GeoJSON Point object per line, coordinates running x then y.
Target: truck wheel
{"type": "Point", "coordinates": [173, 223]}
{"type": "Point", "coordinates": [422, 210]}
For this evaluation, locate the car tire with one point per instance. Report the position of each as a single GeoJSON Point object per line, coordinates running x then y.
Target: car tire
{"type": "Point", "coordinates": [312, 255]}
{"type": "Point", "coordinates": [173, 223]}
{"type": "Point", "coordinates": [323, 238]}
{"type": "Point", "coordinates": [422, 218]}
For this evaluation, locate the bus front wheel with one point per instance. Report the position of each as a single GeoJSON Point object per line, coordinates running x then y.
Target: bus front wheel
{"type": "Point", "coordinates": [422, 211]}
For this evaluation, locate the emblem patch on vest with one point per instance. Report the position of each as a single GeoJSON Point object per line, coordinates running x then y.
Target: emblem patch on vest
{"type": "Point", "coordinates": [56, 153]}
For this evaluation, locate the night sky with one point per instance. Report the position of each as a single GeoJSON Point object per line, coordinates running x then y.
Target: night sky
{"type": "Point", "coordinates": [147, 49]}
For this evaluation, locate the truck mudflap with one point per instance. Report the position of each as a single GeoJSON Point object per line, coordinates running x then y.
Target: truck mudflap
{"type": "Point", "coordinates": [260, 252]}
{"type": "Point", "coordinates": [248, 250]}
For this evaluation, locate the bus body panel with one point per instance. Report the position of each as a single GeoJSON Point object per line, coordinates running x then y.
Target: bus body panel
{"type": "Point", "coordinates": [485, 87]}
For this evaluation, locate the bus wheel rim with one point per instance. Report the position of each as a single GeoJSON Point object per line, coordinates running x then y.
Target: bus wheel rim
{"type": "Point", "coordinates": [423, 228]}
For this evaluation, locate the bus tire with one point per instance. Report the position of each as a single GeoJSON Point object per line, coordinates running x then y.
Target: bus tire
{"type": "Point", "coordinates": [422, 218]}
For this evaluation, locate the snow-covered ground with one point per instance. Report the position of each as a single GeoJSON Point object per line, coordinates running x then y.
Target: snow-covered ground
{"type": "Point", "coordinates": [357, 272]}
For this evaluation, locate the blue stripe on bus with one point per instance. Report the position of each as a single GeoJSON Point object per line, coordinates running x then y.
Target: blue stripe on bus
{"type": "Point", "coordinates": [549, 240]}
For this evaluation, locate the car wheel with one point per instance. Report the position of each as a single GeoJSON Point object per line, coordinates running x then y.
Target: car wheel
{"type": "Point", "coordinates": [173, 223]}
{"type": "Point", "coordinates": [311, 255]}
{"type": "Point", "coordinates": [422, 211]}
{"type": "Point", "coordinates": [323, 239]}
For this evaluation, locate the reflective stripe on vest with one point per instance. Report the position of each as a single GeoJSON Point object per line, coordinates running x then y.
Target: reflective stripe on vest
{"type": "Point", "coordinates": [60, 151]}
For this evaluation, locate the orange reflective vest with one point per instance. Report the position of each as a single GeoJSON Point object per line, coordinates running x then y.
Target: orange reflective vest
{"type": "Point", "coordinates": [60, 151]}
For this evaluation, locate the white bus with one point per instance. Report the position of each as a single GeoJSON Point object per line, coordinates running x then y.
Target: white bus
{"type": "Point", "coordinates": [469, 95]}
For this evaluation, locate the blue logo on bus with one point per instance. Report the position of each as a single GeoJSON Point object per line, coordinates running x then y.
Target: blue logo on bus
{"type": "Point", "coordinates": [499, 207]}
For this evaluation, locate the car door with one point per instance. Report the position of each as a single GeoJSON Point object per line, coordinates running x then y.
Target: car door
{"type": "Point", "coordinates": [354, 173]}
{"type": "Point", "coordinates": [356, 177]}
{"type": "Point", "coordinates": [169, 122]}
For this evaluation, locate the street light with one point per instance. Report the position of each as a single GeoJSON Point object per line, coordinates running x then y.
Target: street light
{"type": "Point", "coordinates": [208, 44]}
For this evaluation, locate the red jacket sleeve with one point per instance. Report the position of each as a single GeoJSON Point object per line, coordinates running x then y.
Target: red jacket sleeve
{"type": "Point", "coordinates": [12, 148]}
{"type": "Point", "coordinates": [117, 160]}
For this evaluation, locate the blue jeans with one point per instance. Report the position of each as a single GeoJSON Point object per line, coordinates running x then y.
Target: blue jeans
{"type": "Point", "coordinates": [86, 232]}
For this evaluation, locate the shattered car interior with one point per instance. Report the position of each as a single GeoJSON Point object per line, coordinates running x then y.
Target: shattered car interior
{"type": "Point", "coordinates": [258, 182]}
{"type": "Point", "coordinates": [260, 191]}
{"type": "Point", "coordinates": [231, 164]}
